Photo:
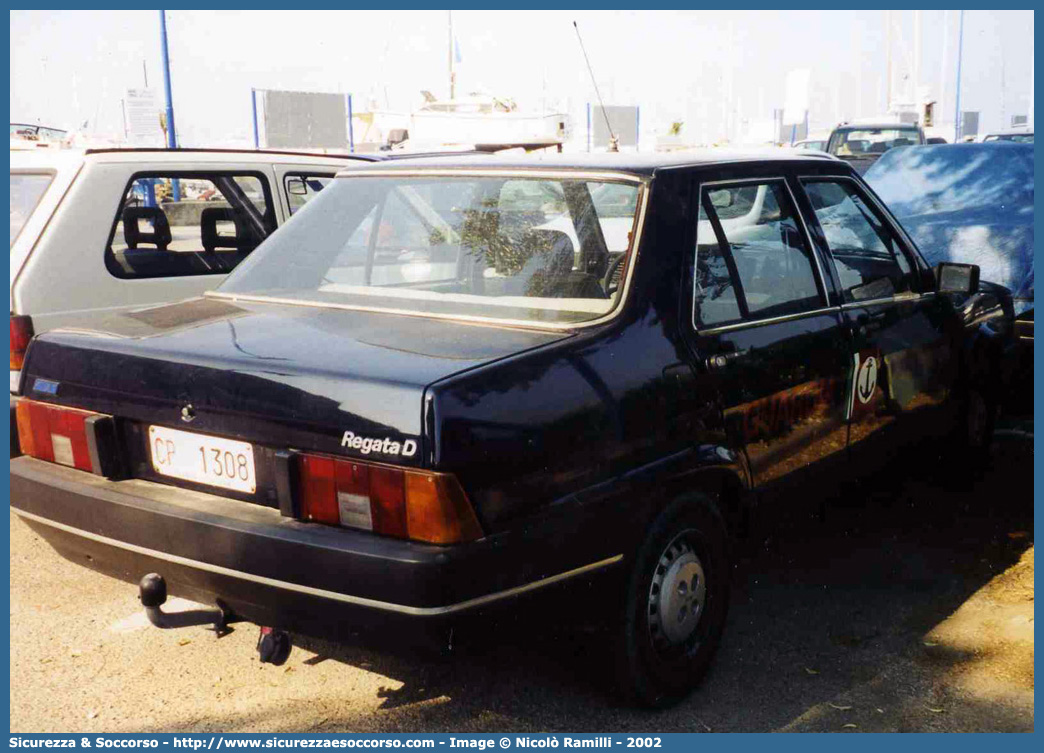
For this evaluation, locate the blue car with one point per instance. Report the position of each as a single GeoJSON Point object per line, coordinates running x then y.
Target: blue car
{"type": "Point", "coordinates": [970, 204]}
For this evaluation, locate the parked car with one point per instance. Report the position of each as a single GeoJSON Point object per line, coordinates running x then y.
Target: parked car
{"type": "Point", "coordinates": [1021, 136]}
{"type": "Point", "coordinates": [817, 145]}
{"type": "Point", "coordinates": [862, 145]}
{"type": "Point", "coordinates": [970, 204]}
{"type": "Point", "coordinates": [107, 229]}
{"type": "Point", "coordinates": [422, 398]}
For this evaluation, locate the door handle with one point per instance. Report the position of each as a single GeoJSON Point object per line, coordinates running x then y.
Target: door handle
{"type": "Point", "coordinates": [722, 360]}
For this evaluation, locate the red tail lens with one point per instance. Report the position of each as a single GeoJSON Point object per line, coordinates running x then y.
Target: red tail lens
{"type": "Point", "coordinates": [388, 502]}
{"type": "Point", "coordinates": [415, 505]}
{"type": "Point", "coordinates": [54, 433]}
{"type": "Point", "coordinates": [21, 334]}
{"type": "Point", "coordinates": [319, 490]}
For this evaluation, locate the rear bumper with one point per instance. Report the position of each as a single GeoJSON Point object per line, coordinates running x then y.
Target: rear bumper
{"type": "Point", "coordinates": [269, 569]}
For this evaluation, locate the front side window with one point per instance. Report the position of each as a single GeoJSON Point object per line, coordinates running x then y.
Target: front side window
{"type": "Point", "coordinates": [866, 254]}
{"type": "Point", "coordinates": [528, 249]}
{"type": "Point", "coordinates": [174, 226]}
{"type": "Point", "coordinates": [26, 191]}
{"type": "Point", "coordinates": [300, 188]}
{"type": "Point", "coordinates": [752, 260]}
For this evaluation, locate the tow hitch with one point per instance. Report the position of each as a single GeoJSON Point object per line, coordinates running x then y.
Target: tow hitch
{"type": "Point", "coordinates": [273, 646]}
{"type": "Point", "coordinates": [152, 590]}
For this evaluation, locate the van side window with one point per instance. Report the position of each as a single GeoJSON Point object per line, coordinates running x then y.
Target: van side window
{"type": "Point", "coordinates": [752, 260]}
{"type": "Point", "coordinates": [867, 256]}
{"type": "Point", "coordinates": [181, 225]}
{"type": "Point", "coordinates": [300, 188]}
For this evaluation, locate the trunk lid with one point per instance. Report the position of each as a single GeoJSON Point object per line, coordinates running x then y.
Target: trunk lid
{"type": "Point", "coordinates": [275, 375]}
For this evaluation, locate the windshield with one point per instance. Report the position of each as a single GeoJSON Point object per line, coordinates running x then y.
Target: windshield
{"type": "Point", "coordinates": [1018, 138]}
{"type": "Point", "coordinates": [868, 142]}
{"type": "Point", "coordinates": [509, 248]}
{"type": "Point", "coordinates": [26, 190]}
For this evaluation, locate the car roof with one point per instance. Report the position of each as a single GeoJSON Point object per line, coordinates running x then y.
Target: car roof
{"type": "Point", "coordinates": [259, 155]}
{"type": "Point", "coordinates": [44, 159]}
{"type": "Point", "coordinates": [60, 158]}
{"type": "Point", "coordinates": [631, 163]}
{"type": "Point", "coordinates": [867, 126]}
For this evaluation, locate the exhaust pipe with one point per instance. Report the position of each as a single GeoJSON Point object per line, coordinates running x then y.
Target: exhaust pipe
{"type": "Point", "coordinates": [152, 591]}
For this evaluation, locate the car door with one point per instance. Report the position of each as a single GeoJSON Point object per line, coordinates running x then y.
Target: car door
{"type": "Point", "coordinates": [766, 336]}
{"type": "Point", "coordinates": [299, 183]}
{"type": "Point", "coordinates": [902, 368]}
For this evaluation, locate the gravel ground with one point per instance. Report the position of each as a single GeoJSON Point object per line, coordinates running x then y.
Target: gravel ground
{"type": "Point", "coordinates": [909, 607]}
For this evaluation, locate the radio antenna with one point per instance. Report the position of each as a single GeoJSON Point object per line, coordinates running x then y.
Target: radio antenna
{"type": "Point", "coordinates": [614, 143]}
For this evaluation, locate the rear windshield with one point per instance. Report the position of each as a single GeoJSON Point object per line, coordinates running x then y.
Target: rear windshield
{"type": "Point", "coordinates": [866, 142]}
{"type": "Point", "coordinates": [506, 247]}
{"type": "Point", "coordinates": [26, 190]}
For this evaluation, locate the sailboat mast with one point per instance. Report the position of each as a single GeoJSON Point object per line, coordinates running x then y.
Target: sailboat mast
{"type": "Point", "coordinates": [452, 73]}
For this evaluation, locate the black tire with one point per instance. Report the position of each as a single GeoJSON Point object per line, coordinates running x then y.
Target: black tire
{"type": "Point", "coordinates": [652, 669]}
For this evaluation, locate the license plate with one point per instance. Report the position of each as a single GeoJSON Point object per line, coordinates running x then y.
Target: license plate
{"type": "Point", "coordinates": [214, 461]}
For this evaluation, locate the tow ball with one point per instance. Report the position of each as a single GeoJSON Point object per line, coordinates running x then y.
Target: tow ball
{"type": "Point", "coordinates": [152, 590]}
{"type": "Point", "coordinates": [273, 646]}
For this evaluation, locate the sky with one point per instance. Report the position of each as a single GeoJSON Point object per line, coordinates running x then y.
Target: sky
{"type": "Point", "coordinates": [717, 72]}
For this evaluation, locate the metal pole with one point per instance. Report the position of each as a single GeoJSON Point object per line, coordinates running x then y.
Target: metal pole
{"type": "Point", "coordinates": [452, 74]}
{"type": "Point", "coordinates": [588, 126]}
{"type": "Point", "coordinates": [960, 52]}
{"type": "Point", "coordinates": [637, 127]}
{"type": "Point", "coordinates": [172, 139]}
{"type": "Point", "coordinates": [888, 58]}
{"type": "Point", "coordinates": [253, 107]}
{"type": "Point", "coordinates": [351, 127]}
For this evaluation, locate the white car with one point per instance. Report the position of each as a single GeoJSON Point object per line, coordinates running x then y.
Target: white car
{"type": "Point", "coordinates": [110, 229]}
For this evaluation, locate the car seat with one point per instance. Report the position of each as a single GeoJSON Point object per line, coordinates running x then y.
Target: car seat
{"type": "Point", "coordinates": [160, 236]}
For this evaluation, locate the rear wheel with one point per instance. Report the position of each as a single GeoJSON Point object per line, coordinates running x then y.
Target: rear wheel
{"type": "Point", "coordinates": [676, 603]}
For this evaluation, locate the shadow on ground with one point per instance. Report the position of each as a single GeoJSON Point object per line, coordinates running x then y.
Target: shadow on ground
{"type": "Point", "coordinates": [820, 609]}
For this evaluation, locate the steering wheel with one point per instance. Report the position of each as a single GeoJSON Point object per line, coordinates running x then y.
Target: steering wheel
{"type": "Point", "coordinates": [607, 278]}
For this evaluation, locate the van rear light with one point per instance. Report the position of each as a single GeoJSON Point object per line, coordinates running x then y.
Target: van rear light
{"type": "Point", "coordinates": [405, 504]}
{"type": "Point", "coordinates": [54, 433]}
{"type": "Point", "coordinates": [21, 333]}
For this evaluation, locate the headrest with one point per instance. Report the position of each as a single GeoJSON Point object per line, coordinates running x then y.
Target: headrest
{"type": "Point", "coordinates": [208, 229]}
{"type": "Point", "coordinates": [135, 235]}
{"type": "Point", "coordinates": [556, 248]}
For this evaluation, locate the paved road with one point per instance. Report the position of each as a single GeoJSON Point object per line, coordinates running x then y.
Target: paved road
{"type": "Point", "coordinates": [828, 628]}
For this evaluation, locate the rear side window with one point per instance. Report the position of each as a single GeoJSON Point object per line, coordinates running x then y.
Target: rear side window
{"type": "Point", "coordinates": [300, 188]}
{"type": "Point", "coordinates": [752, 260]}
{"type": "Point", "coordinates": [866, 254]}
{"type": "Point", "coordinates": [26, 192]}
{"type": "Point", "coordinates": [189, 224]}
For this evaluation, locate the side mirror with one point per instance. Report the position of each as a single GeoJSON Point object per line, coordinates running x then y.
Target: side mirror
{"type": "Point", "coordinates": [296, 187]}
{"type": "Point", "coordinates": [957, 278]}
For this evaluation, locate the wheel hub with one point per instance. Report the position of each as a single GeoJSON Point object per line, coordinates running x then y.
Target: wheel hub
{"type": "Point", "coordinates": [677, 595]}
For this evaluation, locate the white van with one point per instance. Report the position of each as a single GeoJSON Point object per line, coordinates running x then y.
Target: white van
{"type": "Point", "coordinates": [109, 229]}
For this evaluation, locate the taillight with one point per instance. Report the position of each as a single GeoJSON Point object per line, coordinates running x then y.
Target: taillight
{"type": "Point", "coordinates": [405, 504]}
{"type": "Point", "coordinates": [54, 433]}
{"type": "Point", "coordinates": [21, 334]}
